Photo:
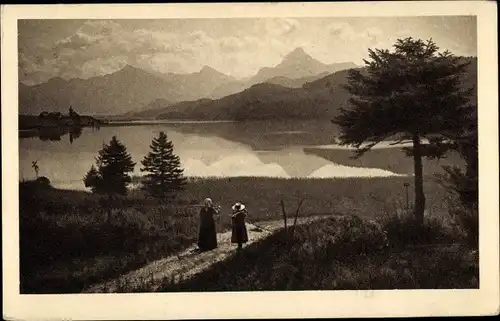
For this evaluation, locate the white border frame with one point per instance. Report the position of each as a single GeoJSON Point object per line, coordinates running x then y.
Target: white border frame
{"type": "Point", "coordinates": [378, 303]}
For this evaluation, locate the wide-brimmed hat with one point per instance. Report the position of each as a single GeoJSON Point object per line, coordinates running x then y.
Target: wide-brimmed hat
{"type": "Point", "coordinates": [238, 207]}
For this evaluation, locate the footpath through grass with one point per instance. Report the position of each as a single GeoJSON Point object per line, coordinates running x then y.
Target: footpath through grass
{"type": "Point", "coordinates": [186, 264]}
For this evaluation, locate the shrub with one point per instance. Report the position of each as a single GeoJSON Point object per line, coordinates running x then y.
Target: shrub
{"type": "Point", "coordinates": [341, 236]}
{"type": "Point", "coordinates": [403, 229]}
{"type": "Point", "coordinates": [468, 221]}
{"type": "Point", "coordinates": [43, 182]}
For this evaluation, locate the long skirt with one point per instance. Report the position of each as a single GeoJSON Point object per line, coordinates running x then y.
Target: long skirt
{"type": "Point", "coordinates": [239, 233]}
{"type": "Point", "coordinates": [207, 238]}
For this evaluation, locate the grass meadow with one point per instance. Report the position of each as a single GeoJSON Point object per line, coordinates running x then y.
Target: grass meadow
{"type": "Point", "coordinates": [345, 253]}
{"type": "Point", "coordinates": [68, 241]}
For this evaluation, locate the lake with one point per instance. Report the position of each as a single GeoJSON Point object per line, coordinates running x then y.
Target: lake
{"type": "Point", "coordinates": [302, 149]}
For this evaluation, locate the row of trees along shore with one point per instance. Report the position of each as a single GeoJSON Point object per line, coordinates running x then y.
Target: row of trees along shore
{"type": "Point", "coordinates": [111, 175]}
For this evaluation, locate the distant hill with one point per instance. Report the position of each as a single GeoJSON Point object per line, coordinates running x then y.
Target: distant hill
{"type": "Point", "coordinates": [261, 101]}
{"type": "Point", "coordinates": [196, 85]}
{"type": "Point", "coordinates": [117, 93]}
{"type": "Point", "coordinates": [151, 110]}
{"type": "Point", "coordinates": [295, 83]}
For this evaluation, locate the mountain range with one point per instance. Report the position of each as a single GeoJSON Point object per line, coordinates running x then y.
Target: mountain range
{"type": "Point", "coordinates": [263, 101]}
{"type": "Point", "coordinates": [132, 89]}
{"type": "Point", "coordinates": [318, 99]}
{"type": "Point", "coordinates": [298, 87]}
{"type": "Point", "coordinates": [294, 70]}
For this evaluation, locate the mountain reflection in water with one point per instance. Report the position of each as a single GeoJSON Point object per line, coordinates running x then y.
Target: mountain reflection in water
{"type": "Point", "coordinates": [270, 149]}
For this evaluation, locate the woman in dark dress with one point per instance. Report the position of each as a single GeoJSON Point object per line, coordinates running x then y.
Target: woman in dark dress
{"type": "Point", "coordinates": [239, 234]}
{"type": "Point", "coordinates": [207, 239]}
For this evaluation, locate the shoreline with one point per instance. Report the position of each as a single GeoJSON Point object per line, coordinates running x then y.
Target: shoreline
{"type": "Point", "coordinates": [161, 122]}
{"type": "Point", "coordinates": [135, 185]}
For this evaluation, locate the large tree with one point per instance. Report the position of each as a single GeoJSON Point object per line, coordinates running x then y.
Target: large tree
{"type": "Point", "coordinates": [164, 172]}
{"type": "Point", "coordinates": [408, 94]}
{"type": "Point", "coordinates": [111, 176]}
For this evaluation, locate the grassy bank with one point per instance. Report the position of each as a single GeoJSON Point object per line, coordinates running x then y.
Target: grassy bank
{"type": "Point", "coordinates": [67, 240]}
{"type": "Point", "coordinates": [360, 196]}
{"type": "Point", "coordinates": [347, 253]}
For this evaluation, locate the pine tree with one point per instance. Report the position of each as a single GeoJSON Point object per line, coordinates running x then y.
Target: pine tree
{"type": "Point", "coordinates": [408, 94]}
{"type": "Point", "coordinates": [164, 172]}
{"type": "Point", "coordinates": [113, 165]}
{"type": "Point", "coordinates": [92, 179]}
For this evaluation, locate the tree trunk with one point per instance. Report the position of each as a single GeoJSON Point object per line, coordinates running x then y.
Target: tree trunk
{"type": "Point", "coordinates": [419, 183]}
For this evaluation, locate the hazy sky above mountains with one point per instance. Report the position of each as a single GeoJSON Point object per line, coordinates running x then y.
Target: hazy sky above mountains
{"type": "Point", "coordinates": [237, 47]}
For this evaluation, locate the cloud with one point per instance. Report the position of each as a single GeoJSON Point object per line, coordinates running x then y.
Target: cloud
{"type": "Point", "coordinates": [99, 47]}
{"type": "Point", "coordinates": [231, 44]}
{"type": "Point", "coordinates": [355, 42]}
{"type": "Point", "coordinates": [345, 32]}
{"type": "Point", "coordinates": [280, 26]}
{"type": "Point", "coordinates": [100, 66]}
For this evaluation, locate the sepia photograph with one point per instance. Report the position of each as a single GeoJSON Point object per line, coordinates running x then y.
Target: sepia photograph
{"type": "Point", "coordinates": [276, 153]}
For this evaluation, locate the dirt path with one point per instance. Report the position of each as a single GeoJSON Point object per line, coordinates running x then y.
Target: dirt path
{"type": "Point", "coordinates": [186, 264]}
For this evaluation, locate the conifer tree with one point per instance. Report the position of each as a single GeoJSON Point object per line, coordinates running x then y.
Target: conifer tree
{"type": "Point", "coordinates": [164, 172]}
{"type": "Point", "coordinates": [111, 176]}
{"type": "Point", "coordinates": [91, 179]}
{"type": "Point", "coordinates": [409, 94]}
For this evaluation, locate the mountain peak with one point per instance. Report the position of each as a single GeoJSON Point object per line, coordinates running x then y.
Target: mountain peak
{"type": "Point", "coordinates": [209, 70]}
{"type": "Point", "coordinates": [128, 67]}
{"type": "Point", "coordinates": [298, 53]}
{"type": "Point", "coordinates": [206, 68]}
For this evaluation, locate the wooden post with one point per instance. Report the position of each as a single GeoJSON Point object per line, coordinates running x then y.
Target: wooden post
{"type": "Point", "coordinates": [284, 215]}
{"type": "Point", "coordinates": [296, 216]}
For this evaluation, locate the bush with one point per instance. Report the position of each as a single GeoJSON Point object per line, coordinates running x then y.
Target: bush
{"type": "Point", "coordinates": [403, 229]}
{"type": "Point", "coordinates": [463, 184]}
{"type": "Point", "coordinates": [43, 181]}
{"type": "Point", "coordinates": [468, 221]}
{"type": "Point", "coordinates": [341, 236]}
{"type": "Point", "coordinates": [463, 200]}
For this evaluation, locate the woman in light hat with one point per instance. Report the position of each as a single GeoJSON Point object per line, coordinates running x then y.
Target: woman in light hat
{"type": "Point", "coordinates": [207, 238]}
{"type": "Point", "coordinates": [239, 234]}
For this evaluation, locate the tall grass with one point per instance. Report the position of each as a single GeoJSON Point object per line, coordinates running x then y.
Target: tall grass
{"type": "Point", "coordinates": [342, 253]}
{"type": "Point", "coordinates": [360, 196]}
{"type": "Point", "coordinates": [67, 241]}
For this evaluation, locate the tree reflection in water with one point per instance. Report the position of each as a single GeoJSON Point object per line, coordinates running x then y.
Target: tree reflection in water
{"type": "Point", "coordinates": [56, 133]}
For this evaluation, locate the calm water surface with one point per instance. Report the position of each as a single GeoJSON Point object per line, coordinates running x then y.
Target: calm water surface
{"type": "Point", "coordinates": [289, 149]}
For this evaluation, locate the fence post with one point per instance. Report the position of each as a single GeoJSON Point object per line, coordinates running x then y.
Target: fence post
{"type": "Point", "coordinates": [296, 216]}
{"type": "Point", "coordinates": [284, 215]}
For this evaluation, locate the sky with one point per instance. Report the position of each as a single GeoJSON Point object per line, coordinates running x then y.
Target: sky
{"type": "Point", "coordinates": [237, 47]}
